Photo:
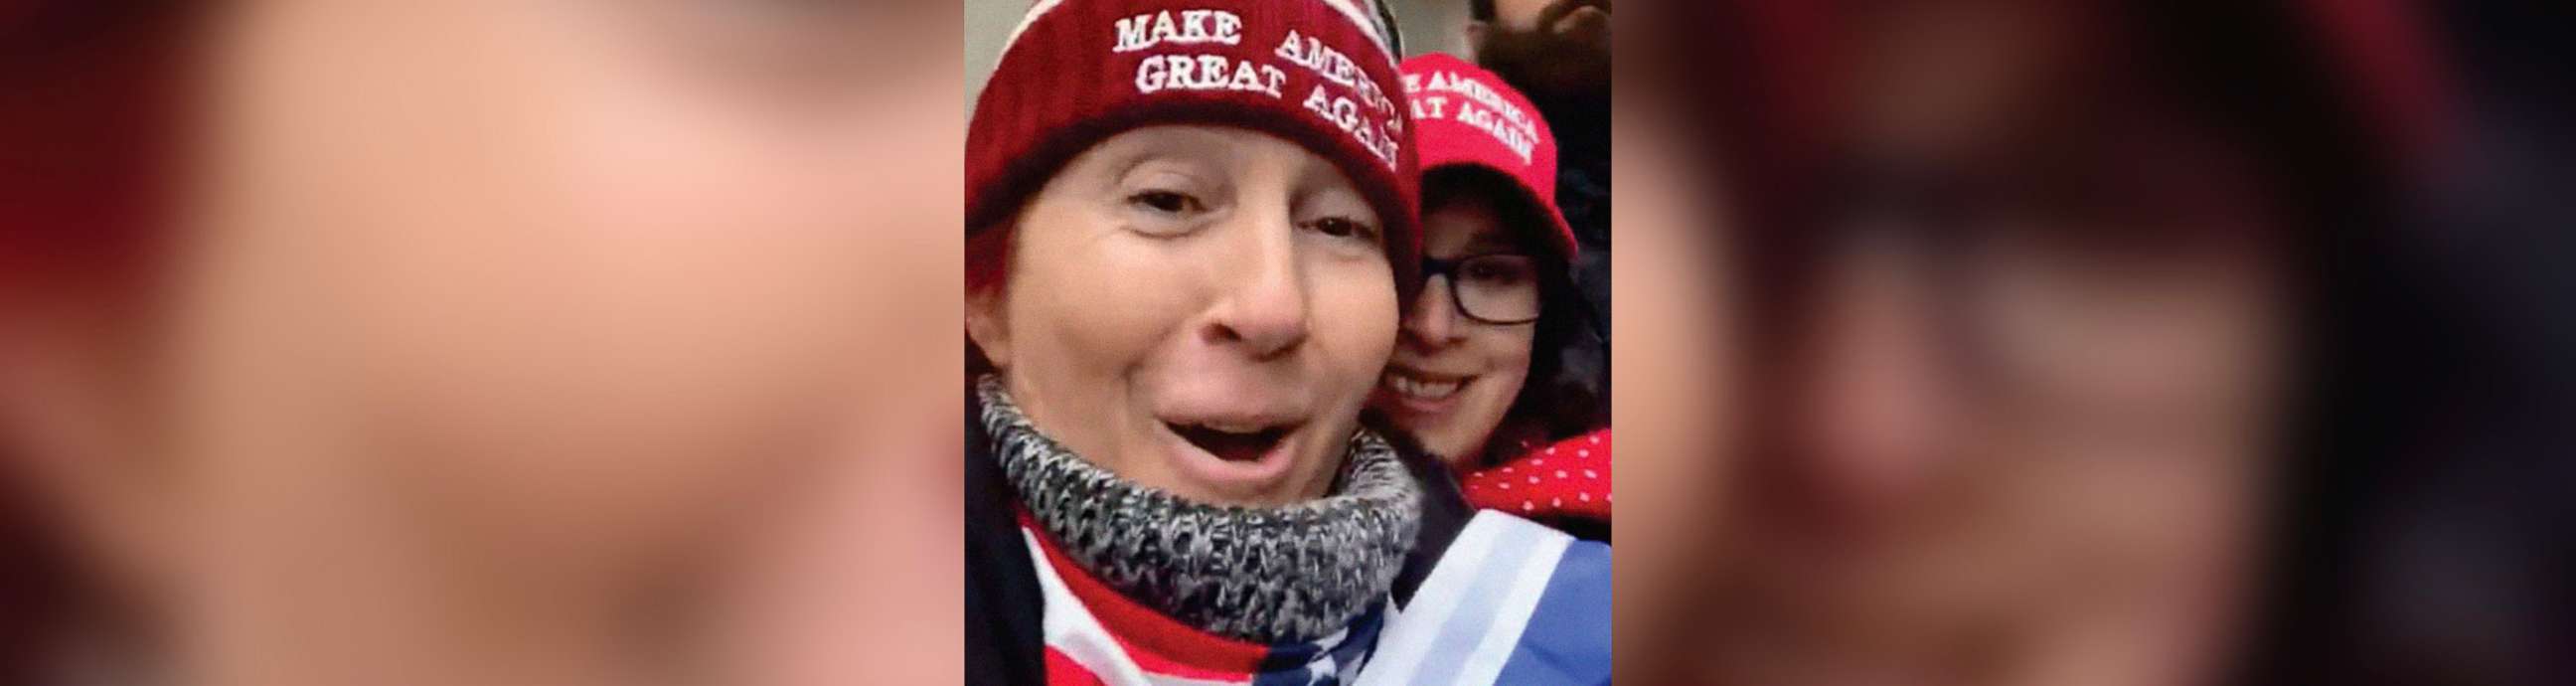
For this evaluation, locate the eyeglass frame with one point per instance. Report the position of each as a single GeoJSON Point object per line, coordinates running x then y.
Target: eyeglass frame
{"type": "Point", "coordinates": [1449, 268]}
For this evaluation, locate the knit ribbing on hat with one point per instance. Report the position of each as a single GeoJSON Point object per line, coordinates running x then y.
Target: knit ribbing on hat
{"type": "Point", "coordinates": [1267, 575]}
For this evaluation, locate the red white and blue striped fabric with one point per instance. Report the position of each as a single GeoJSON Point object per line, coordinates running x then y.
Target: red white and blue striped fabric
{"type": "Point", "coordinates": [1094, 635]}
{"type": "Point", "coordinates": [1511, 602]}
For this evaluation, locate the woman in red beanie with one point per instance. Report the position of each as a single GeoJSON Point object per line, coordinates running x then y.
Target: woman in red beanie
{"type": "Point", "coordinates": [1191, 230]}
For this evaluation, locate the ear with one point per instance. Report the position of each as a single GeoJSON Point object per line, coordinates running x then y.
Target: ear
{"type": "Point", "coordinates": [987, 326]}
{"type": "Point", "coordinates": [1475, 35]}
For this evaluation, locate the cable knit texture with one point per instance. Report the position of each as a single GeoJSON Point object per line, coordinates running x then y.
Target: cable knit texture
{"type": "Point", "coordinates": [1267, 574]}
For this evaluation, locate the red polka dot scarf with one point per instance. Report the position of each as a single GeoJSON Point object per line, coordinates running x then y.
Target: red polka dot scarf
{"type": "Point", "coordinates": [1569, 479]}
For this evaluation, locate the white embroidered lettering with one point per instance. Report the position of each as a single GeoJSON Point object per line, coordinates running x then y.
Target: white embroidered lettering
{"type": "Point", "coordinates": [1245, 78]}
{"type": "Point", "coordinates": [1277, 78]}
{"type": "Point", "coordinates": [1207, 72]}
{"type": "Point", "coordinates": [1194, 27]}
{"type": "Point", "coordinates": [1229, 28]}
{"type": "Point", "coordinates": [1150, 75]}
{"type": "Point", "coordinates": [1131, 34]}
{"type": "Point", "coordinates": [1291, 49]}
{"type": "Point", "coordinates": [1432, 107]}
{"type": "Point", "coordinates": [1212, 69]}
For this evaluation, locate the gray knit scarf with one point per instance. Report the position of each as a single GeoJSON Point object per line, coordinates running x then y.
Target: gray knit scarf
{"type": "Point", "coordinates": [1267, 575]}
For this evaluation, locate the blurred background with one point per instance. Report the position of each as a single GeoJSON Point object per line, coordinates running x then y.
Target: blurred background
{"type": "Point", "coordinates": [478, 342]}
{"type": "Point", "coordinates": [2111, 343]}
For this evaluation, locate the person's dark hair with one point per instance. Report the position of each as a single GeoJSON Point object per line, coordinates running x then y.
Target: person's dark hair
{"type": "Point", "coordinates": [1480, 10]}
{"type": "Point", "coordinates": [1562, 396]}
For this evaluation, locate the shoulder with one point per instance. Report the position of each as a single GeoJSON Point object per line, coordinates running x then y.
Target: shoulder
{"type": "Point", "coordinates": [1003, 605]}
{"type": "Point", "coordinates": [1510, 601]}
{"type": "Point", "coordinates": [1445, 510]}
{"type": "Point", "coordinates": [1565, 484]}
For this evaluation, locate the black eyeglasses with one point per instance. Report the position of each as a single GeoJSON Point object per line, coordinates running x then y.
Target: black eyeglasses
{"type": "Point", "coordinates": [1496, 288]}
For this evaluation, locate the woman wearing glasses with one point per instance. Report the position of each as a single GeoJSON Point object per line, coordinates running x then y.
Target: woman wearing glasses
{"type": "Point", "coordinates": [1479, 373]}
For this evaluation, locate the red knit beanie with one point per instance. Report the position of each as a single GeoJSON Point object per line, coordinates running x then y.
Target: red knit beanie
{"type": "Point", "coordinates": [1316, 72]}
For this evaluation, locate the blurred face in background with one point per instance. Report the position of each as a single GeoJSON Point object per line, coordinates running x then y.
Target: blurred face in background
{"type": "Point", "coordinates": [499, 319]}
{"type": "Point", "coordinates": [1676, 385]}
{"type": "Point", "coordinates": [1548, 48]}
{"type": "Point", "coordinates": [1197, 309]}
{"type": "Point", "coordinates": [1454, 375]}
{"type": "Point", "coordinates": [2031, 378]}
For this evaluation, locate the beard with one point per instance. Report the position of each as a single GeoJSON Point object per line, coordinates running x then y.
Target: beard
{"type": "Point", "coordinates": [1552, 62]}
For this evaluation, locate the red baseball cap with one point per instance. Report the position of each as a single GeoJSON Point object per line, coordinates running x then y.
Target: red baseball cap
{"type": "Point", "coordinates": [1466, 116]}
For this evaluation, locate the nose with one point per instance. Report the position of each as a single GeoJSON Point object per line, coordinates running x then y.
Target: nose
{"type": "Point", "coordinates": [1433, 319]}
{"type": "Point", "coordinates": [1878, 419]}
{"type": "Point", "coordinates": [1264, 307]}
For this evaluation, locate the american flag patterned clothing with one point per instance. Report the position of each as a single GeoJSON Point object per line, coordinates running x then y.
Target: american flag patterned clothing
{"type": "Point", "coordinates": [1512, 602]}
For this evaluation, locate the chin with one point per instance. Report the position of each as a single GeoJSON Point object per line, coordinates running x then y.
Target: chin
{"type": "Point", "coordinates": [1452, 449]}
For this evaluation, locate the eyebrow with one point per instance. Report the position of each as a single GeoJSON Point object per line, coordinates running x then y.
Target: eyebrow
{"type": "Point", "coordinates": [1185, 162]}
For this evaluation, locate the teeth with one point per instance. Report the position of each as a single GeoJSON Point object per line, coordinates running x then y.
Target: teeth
{"type": "Point", "coordinates": [1234, 428]}
{"type": "Point", "coordinates": [1427, 390]}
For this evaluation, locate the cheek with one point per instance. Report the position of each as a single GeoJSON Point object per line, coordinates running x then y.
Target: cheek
{"type": "Point", "coordinates": [1675, 380]}
{"type": "Point", "coordinates": [1512, 351]}
{"type": "Point", "coordinates": [1355, 319]}
{"type": "Point", "coordinates": [1076, 337]}
{"type": "Point", "coordinates": [2108, 534]}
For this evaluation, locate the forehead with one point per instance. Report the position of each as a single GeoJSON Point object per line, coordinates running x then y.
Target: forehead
{"type": "Point", "coordinates": [1471, 222]}
{"type": "Point", "coordinates": [1234, 155]}
{"type": "Point", "coordinates": [1212, 143]}
{"type": "Point", "coordinates": [1519, 8]}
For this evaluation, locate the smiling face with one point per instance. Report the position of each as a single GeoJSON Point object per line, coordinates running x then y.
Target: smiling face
{"type": "Point", "coordinates": [1454, 377]}
{"type": "Point", "coordinates": [2029, 411]}
{"type": "Point", "coordinates": [1201, 310]}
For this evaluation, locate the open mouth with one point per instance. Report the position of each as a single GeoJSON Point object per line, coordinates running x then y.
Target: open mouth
{"type": "Point", "coordinates": [1232, 443]}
